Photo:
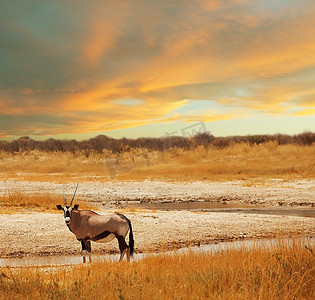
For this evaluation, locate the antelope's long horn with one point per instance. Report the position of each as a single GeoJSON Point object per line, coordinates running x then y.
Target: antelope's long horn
{"type": "Point", "coordinates": [64, 196]}
{"type": "Point", "coordinates": [74, 194]}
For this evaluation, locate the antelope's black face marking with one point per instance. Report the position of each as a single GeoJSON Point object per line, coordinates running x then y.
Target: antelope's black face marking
{"type": "Point", "coordinates": [67, 212]}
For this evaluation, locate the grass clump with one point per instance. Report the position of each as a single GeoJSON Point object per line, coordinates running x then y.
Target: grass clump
{"type": "Point", "coordinates": [282, 271]}
{"type": "Point", "coordinates": [15, 201]}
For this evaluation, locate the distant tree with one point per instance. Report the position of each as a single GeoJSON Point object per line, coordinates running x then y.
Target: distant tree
{"type": "Point", "coordinates": [203, 138]}
{"type": "Point", "coordinates": [305, 138]}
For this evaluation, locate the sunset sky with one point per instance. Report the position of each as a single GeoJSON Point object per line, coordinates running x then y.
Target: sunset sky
{"type": "Point", "coordinates": [76, 69]}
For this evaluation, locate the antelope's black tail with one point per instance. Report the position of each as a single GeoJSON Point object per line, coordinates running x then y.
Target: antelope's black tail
{"type": "Point", "coordinates": [131, 241]}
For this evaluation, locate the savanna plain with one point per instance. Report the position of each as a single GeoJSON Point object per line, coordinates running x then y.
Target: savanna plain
{"type": "Point", "coordinates": [178, 192]}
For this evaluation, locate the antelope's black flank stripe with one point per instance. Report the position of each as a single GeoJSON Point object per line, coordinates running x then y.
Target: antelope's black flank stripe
{"type": "Point", "coordinates": [101, 236]}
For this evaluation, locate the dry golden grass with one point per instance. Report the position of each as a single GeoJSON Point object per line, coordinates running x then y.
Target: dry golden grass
{"type": "Point", "coordinates": [237, 162]}
{"type": "Point", "coordinates": [16, 201]}
{"type": "Point", "coordinates": [266, 272]}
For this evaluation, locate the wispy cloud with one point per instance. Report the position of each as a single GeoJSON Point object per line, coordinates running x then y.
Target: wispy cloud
{"type": "Point", "coordinates": [69, 66]}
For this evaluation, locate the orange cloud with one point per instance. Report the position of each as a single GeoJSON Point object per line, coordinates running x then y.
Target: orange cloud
{"type": "Point", "coordinates": [200, 53]}
{"type": "Point", "coordinates": [305, 112]}
{"type": "Point", "coordinates": [102, 37]}
{"type": "Point", "coordinates": [249, 57]}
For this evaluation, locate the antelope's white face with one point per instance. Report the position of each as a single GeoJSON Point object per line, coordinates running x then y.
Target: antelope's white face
{"type": "Point", "coordinates": [67, 214]}
{"type": "Point", "coordinates": [67, 211]}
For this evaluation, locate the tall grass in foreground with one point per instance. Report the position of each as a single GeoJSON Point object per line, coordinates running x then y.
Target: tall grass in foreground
{"type": "Point", "coordinates": [236, 162]}
{"type": "Point", "coordinates": [282, 271]}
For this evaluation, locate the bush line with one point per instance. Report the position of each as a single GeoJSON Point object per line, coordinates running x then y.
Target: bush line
{"type": "Point", "coordinates": [102, 142]}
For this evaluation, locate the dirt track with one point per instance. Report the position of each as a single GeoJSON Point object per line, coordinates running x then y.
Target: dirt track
{"type": "Point", "coordinates": [46, 233]}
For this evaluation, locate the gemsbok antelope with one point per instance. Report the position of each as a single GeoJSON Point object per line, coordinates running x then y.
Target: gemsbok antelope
{"type": "Point", "coordinates": [89, 226]}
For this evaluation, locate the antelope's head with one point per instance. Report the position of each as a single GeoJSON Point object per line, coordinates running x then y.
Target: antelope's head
{"type": "Point", "coordinates": [67, 209]}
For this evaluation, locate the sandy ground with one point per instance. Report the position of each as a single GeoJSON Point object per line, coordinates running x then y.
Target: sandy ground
{"type": "Point", "coordinates": [46, 233]}
{"type": "Point", "coordinates": [272, 192]}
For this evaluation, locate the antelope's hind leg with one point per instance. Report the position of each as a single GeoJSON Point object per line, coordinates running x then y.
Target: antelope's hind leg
{"type": "Point", "coordinates": [128, 253]}
{"type": "Point", "coordinates": [123, 247]}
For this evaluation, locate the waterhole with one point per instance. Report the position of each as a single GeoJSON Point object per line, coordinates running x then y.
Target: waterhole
{"type": "Point", "coordinates": [225, 207]}
{"type": "Point", "coordinates": [68, 260]}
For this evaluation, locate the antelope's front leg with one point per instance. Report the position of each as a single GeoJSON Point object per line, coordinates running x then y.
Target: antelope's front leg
{"type": "Point", "coordinates": [86, 248]}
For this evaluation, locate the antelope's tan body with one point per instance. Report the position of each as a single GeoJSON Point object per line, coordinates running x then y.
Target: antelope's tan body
{"type": "Point", "coordinates": [86, 224]}
{"type": "Point", "coordinates": [90, 226]}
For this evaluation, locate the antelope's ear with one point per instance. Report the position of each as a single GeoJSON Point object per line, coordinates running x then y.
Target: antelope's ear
{"type": "Point", "coordinates": [76, 206]}
{"type": "Point", "coordinates": [59, 207]}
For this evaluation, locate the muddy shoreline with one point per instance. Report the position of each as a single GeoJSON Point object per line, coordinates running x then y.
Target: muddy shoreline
{"type": "Point", "coordinates": [38, 234]}
{"type": "Point", "coordinates": [165, 215]}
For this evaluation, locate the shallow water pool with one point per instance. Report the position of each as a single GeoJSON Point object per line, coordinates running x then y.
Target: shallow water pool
{"type": "Point", "coordinates": [68, 260]}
